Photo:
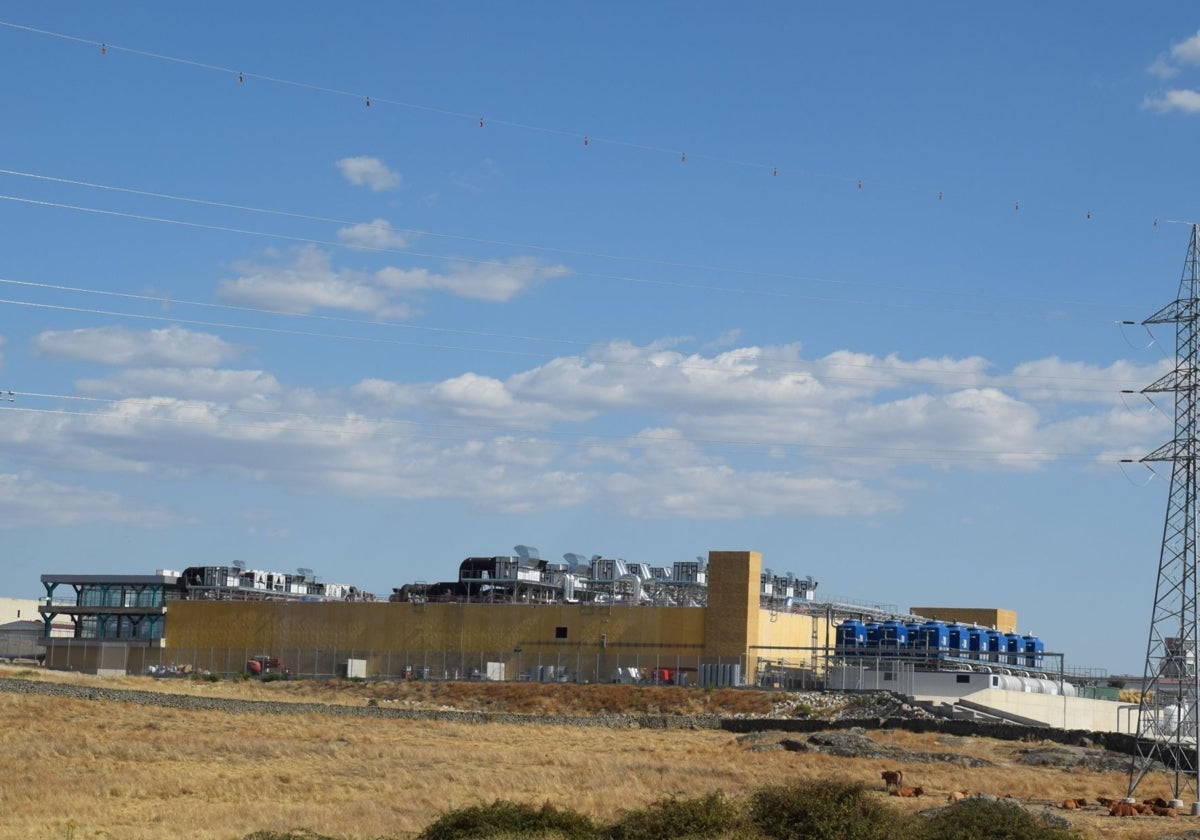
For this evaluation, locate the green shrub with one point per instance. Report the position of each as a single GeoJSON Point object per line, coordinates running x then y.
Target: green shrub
{"type": "Point", "coordinates": [509, 818]}
{"type": "Point", "coordinates": [1001, 819]}
{"type": "Point", "coordinates": [825, 810]}
{"type": "Point", "coordinates": [705, 816]}
{"type": "Point", "coordinates": [272, 676]}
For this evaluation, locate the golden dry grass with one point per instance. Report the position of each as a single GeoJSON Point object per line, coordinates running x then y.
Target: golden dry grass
{"type": "Point", "coordinates": [518, 698]}
{"type": "Point", "coordinates": [96, 769]}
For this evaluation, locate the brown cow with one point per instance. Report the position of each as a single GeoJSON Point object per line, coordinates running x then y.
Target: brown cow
{"type": "Point", "coordinates": [892, 778]}
{"type": "Point", "coordinates": [1106, 801]}
{"type": "Point", "coordinates": [1163, 811]}
{"type": "Point", "coordinates": [1158, 800]}
{"type": "Point", "coordinates": [956, 795]}
{"type": "Point", "coordinates": [908, 791]}
{"type": "Point", "coordinates": [1070, 804]}
{"type": "Point", "coordinates": [1122, 809]}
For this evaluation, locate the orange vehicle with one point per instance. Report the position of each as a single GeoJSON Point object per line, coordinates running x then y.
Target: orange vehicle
{"type": "Point", "coordinates": [257, 666]}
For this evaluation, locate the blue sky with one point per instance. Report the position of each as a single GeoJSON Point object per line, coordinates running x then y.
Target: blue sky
{"type": "Point", "coordinates": [262, 320]}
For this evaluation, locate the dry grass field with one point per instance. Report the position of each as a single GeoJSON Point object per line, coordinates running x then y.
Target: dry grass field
{"type": "Point", "coordinates": [97, 769]}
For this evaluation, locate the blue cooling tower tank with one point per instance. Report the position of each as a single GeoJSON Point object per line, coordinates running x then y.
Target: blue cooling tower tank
{"type": "Point", "coordinates": [851, 635]}
{"type": "Point", "coordinates": [933, 637]}
{"type": "Point", "coordinates": [1013, 644]}
{"type": "Point", "coordinates": [893, 635]}
{"type": "Point", "coordinates": [995, 644]}
{"type": "Point", "coordinates": [1033, 647]}
{"type": "Point", "coordinates": [977, 642]}
{"type": "Point", "coordinates": [958, 639]}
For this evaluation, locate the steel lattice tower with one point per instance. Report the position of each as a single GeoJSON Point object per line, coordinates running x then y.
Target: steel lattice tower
{"type": "Point", "coordinates": [1168, 727]}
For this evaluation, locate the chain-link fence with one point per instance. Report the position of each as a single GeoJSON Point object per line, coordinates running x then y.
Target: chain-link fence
{"type": "Point", "coordinates": [20, 645]}
{"type": "Point", "coordinates": [500, 665]}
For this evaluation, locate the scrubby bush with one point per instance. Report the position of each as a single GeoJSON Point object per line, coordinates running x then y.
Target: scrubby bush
{"type": "Point", "coordinates": [1000, 819]}
{"type": "Point", "coordinates": [504, 818]}
{"type": "Point", "coordinates": [704, 816]}
{"type": "Point", "coordinates": [825, 810]}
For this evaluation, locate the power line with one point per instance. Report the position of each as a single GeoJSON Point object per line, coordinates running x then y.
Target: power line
{"type": "Point", "coordinates": [573, 439]}
{"type": "Point", "coordinates": [587, 138]}
{"type": "Point", "coordinates": [509, 266]}
{"type": "Point", "coordinates": [898, 376]}
{"type": "Point", "coordinates": [736, 270]}
{"type": "Point", "coordinates": [283, 313]}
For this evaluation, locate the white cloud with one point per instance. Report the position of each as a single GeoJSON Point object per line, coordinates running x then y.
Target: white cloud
{"type": "Point", "coordinates": [1162, 68]}
{"type": "Point", "coordinates": [1187, 52]}
{"type": "Point", "coordinates": [1187, 101]}
{"type": "Point", "coordinates": [974, 428]}
{"type": "Point", "coordinates": [492, 281]}
{"type": "Point", "coordinates": [385, 394]}
{"type": "Point", "coordinates": [483, 398]}
{"type": "Point", "coordinates": [743, 432]}
{"type": "Point", "coordinates": [370, 172]}
{"type": "Point", "coordinates": [190, 383]}
{"type": "Point", "coordinates": [29, 501]}
{"type": "Point", "coordinates": [120, 346]}
{"type": "Point", "coordinates": [377, 234]}
{"type": "Point", "coordinates": [722, 492]}
{"type": "Point", "coordinates": [1055, 380]}
{"type": "Point", "coordinates": [309, 282]}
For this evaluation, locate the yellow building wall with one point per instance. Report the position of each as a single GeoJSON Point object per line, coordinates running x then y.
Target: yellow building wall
{"type": "Point", "coordinates": [733, 598]}
{"type": "Point", "coordinates": [450, 639]}
{"type": "Point", "coordinates": [1003, 620]}
{"type": "Point", "coordinates": [455, 640]}
{"type": "Point", "coordinates": [793, 639]}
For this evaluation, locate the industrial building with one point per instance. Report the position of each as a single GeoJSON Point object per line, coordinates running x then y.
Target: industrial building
{"type": "Point", "coordinates": [720, 620]}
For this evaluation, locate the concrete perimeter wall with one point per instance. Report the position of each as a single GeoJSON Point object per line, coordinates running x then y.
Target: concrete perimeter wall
{"type": "Point", "coordinates": [1059, 711]}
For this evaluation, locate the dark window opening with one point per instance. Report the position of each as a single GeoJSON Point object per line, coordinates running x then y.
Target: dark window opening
{"type": "Point", "coordinates": [560, 632]}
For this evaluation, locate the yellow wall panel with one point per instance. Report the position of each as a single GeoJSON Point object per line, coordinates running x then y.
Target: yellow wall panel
{"type": "Point", "coordinates": [1003, 620]}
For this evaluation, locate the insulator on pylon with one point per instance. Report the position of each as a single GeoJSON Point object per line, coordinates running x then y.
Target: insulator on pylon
{"type": "Point", "coordinates": [1156, 222]}
{"type": "Point", "coordinates": [939, 195]}
{"type": "Point", "coordinates": [481, 122]}
{"type": "Point", "coordinates": [368, 102]}
{"type": "Point", "coordinates": [1089, 214]}
{"type": "Point", "coordinates": [775, 172]}
{"type": "Point", "coordinates": [1016, 205]}
{"type": "Point", "coordinates": [240, 78]}
{"type": "Point", "coordinates": [104, 49]}
{"type": "Point", "coordinates": [683, 157]}
{"type": "Point", "coordinates": [585, 140]}
{"type": "Point", "coordinates": [860, 183]}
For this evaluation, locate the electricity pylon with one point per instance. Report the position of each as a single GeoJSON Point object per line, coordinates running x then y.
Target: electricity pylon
{"type": "Point", "coordinates": [1168, 728]}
